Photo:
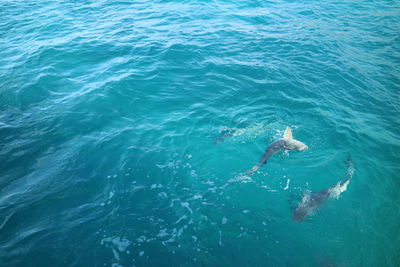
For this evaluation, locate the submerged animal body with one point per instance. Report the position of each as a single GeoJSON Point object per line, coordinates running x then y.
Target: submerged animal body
{"type": "Point", "coordinates": [311, 202]}
{"type": "Point", "coordinates": [244, 134]}
{"type": "Point", "coordinates": [285, 143]}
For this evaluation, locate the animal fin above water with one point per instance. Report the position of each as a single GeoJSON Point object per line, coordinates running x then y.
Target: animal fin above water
{"type": "Point", "coordinates": [288, 133]}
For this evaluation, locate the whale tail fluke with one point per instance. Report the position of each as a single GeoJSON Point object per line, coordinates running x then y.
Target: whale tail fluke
{"type": "Point", "coordinates": [288, 133]}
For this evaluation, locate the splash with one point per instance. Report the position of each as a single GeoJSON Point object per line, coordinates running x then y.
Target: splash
{"type": "Point", "coordinates": [240, 178]}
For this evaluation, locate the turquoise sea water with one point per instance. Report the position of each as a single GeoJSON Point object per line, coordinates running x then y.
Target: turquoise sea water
{"type": "Point", "coordinates": [109, 111]}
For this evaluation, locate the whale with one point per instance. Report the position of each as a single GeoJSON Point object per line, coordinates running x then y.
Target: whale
{"type": "Point", "coordinates": [311, 203]}
{"type": "Point", "coordinates": [249, 132]}
{"type": "Point", "coordinates": [285, 143]}
{"type": "Point", "coordinates": [222, 138]}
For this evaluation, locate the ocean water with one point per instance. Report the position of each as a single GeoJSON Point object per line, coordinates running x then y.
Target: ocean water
{"type": "Point", "coordinates": [111, 111]}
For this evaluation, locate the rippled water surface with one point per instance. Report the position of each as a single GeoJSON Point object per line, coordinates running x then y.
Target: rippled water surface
{"type": "Point", "coordinates": [127, 128]}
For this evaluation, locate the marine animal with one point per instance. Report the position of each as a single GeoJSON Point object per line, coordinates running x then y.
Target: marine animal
{"type": "Point", "coordinates": [242, 134]}
{"type": "Point", "coordinates": [286, 143]}
{"type": "Point", "coordinates": [311, 202]}
{"type": "Point", "coordinates": [222, 138]}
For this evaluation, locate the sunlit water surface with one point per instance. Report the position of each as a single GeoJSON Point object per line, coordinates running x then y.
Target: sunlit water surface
{"type": "Point", "coordinates": [110, 111]}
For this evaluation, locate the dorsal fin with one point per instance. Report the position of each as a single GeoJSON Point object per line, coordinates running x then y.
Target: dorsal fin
{"type": "Point", "coordinates": [288, 133]}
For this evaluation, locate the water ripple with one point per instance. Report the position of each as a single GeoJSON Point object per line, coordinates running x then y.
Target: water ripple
{"type": "Point", "coordinates": [109, 111]}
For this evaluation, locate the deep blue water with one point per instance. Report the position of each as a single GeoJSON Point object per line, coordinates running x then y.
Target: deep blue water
{"type": "Point", "coordinates": [109, 111]}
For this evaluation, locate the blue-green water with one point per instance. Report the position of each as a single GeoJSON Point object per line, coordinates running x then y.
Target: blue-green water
{"type": "Point", "coordinates": [109, 110]}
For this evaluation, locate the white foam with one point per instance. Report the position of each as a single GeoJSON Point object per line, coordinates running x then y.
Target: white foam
{"type": "Point", "coordinates": [193, 173]}
{"type": "Point", "coordinates": [181, 218]}
{"type": "Point", "coordinates": [186, 205]}
{"type": "Point", "coordinates": [141, 239]}
{"type": "Point", "coordinates": [213, 189]}
{"type": "Point", "coordinates": [287, 185]}
{"type": "Point", "coordinates": [162, 233]}
{"type": "Point", "coordinates": [160, 166]}
{"type": "Point", "coordinates": [240, 178]}
{"type": "Point", "coordinates": [162, 195]}
{"type": "Point", "coordinates": [138, 187]}
{"type": "Point", "coordinates": [269, 189]}
{"type": "Point", "coordinates": [154, 186]}
{"type": "Point", "coordinates": [197, 196]}
{"type": "Point", "coordinates": [120, 243]}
